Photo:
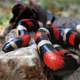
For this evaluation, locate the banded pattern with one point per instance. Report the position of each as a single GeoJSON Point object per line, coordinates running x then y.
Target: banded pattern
{"type": "Point", "coordinates": [68, 36]}
{"type": "Point", "coordinates": [47, 52]}
{"type": "Point", "coordinates": [29, 24]}
{"type": "Point", "coordinates": [21, 30]}
{"type": "Point", "coordinates": [24, 26]}
{"type": "Point", "coordinates": [16, 43]}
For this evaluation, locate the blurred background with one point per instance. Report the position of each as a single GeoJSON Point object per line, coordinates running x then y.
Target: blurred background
{"type": "Point", "coordinates": [58, 7]}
